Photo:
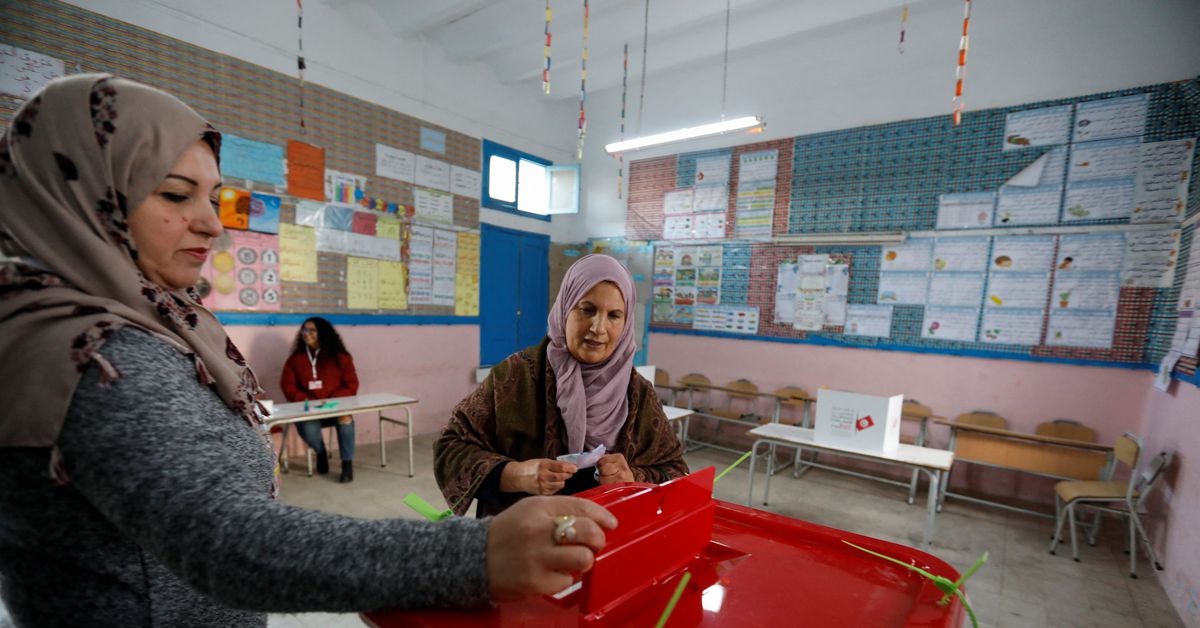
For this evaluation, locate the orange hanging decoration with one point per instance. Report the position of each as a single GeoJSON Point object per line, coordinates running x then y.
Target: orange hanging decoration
{"type": "Point", "coordinates": [960, 72]}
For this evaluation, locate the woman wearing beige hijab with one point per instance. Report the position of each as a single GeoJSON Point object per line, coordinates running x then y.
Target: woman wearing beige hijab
{"type": "Point", "coordinates": [136, 481]}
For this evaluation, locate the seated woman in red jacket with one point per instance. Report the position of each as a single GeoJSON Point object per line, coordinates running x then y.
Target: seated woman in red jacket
{"type": "Point", "coordinates": [320, 368]}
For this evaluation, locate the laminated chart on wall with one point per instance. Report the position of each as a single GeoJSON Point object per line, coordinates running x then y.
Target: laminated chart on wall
{"type": "Point", "coordinates": [869, 320]}
{"type": "Point", "coordinates": [955, 288]}
{"type": "Point", "coordinates": [243, 158]}
{"type": "Point", "coordinates": [393, 285]}
{"type": "Point", "coordinates": [735, 319]}
{"type": "Point", "coordinates": [685, 277]}
{"type": "Point", "coordinates": [305, 170]}
{"type": "Point", "coordinates": [1018, 286]}
{"type": "Point", "coordinates": [445, 261]}
{"type": "Point", "coordinates": [1111, 117]}
{"type": "Point", "coordinates": [264, 212]}
{"type": "Point", "coordinates": [433, 173]}
{"type": "Point", "coordinates": [1161, 185]}
{"type": "Point", "coordinates": [466, 290]}
{"type": "Point", "coordinates": [465, 182]}
{"type": "Point", "coordinates": [432, 206]}
{"type": "Point", "coordinates": [420, 265]}
{"type": "Point", "coordinates": [1151, 258]}
{"type": "Point", "coordinates": [24, 72]}
{"type": "Point", "coordinates": [395, 163]}
{"type": "Point", "coordinates": [362, 283]}
{"type": "Point", "coordinates": [972, 210]}
{"type": "Point", "coordinates": [811, 292]}
{"type": "Point", "coordinates": [244, 272]}
{"type": "Point", "coordinates": [756, 194]}
{"type": "Point", "coordinates": [1086, 291]}
{"type": "Point", "coordinates": [297, 253]}
{"type": "Point", "coordinates": [904, 272]}
{"type": "Point", "coordinates": [344, 188]}
{"type": "Point", "coordinates": [1038, 127]}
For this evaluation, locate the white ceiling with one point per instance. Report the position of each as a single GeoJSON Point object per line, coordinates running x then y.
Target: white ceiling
{"type": "Point", "coordinates": [507, 35]}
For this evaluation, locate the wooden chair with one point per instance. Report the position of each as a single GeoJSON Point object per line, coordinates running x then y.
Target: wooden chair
{"type": "Point", "coordinates": [1122, 498]}
{"type": "Point", "coordinates": [983, 418]}
{"type": "Point", "coordinates": [793, 397]}
{"type": "Point", "coordinates": [696, 384]}
{"type": "Point", "coordinates": [1068, 429]}
{"type": "Point", "coordinates": [662, 379]}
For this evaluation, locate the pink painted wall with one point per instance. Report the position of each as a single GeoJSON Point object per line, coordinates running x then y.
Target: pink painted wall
{"type": "Point", "coordinates": [1173, 422]}
{"type": "Point", "coordinates": [434, 363]}
{"type": "Point", "coordinates": [1110, 400]}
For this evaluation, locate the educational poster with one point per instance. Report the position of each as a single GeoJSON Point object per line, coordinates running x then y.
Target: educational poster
{"type": "Point", "coordinates": [809, 308]}
{"type": "Point", "coordinates": [677, 227]}
{"type": "Point", "coordinates": [420, 265]}
{"type": "Point", "coordinates": [1105, 159]}
{"type": "Point", "coordinates": [432, 206]}
{"type": "Point", "coordinates": [264, 213]}
{"type": "Point", "coordinates": [756, 194]}
{"type": "Point", "coordinates": [972, 210]}
{"type": "Point", "coordinates": [1011, 326]}
{"type": "Point", "coordinates": [960, 254]}
{"type": "Point", "coordinates": [394, 163]}
{"type": "Point", "coordinates": [297, 253]}
{"type": "Point", "coordinates": [1161, 185]}
{"type": "Point", "coordinates": [735, 319]}
{"type": "Point", "coordinates": [1085, 291]}
{"type": "Point", "coordinates": [787, 280]}
{"type": "Point", "coordinates": [1018, 290]}
{"type": "Point", "coordinates": [362, 283]}
{"type": "Point", "coordinates": [344, 188]}
{"type": "Point", "coordinates": [955, 289]}
{"type": "Point", "coordinates": [305, 170]}
{"type": "Point", "coordinates": [433, 140]}
{"type": "Point", "coordinates": [365, 223]}
{"type": "Point", "coordinates": [433, 173]}
{"type": "Point", "coordinates": [388, 226]}
{"type": "Point", "coordinates": [393, 293]}
{"type": "Point", "coordinates": [709, 255]}
{"type": "Point", "coordinates": [466, 280]}
{"type": "Point", "coordinates": [1151, 258]}
{"type": "Point", "coordinates": [234, 208]}
{"type": "Point", "coordinates": [708, 285]}
{"type": "Point", "coordinates": [247, 159]}
{"type": "Point", "coordinates": [950, 323]}
{"type": "Point", "coordinates": [357, 244]}
{"type": "Point", "coordinates": [1095, 252]}
{"type": "Point", "coordinates": [914, 254]}
{"type": "Point", "coordinates": [902, 288]}
{"type": "Point", "coordinates": [1022, 253]}
{"type": "Point", "coordinates": [1112, 117]}
{"type": "Point", "coordinates": [1037, 205]}
{"type": "Point", "coordinates": [1037, 127]}
{"type": "Point", "coordinates": [708, 226]}
{"type": "Point", "coordinates": [869, 320]}
{"type": "Point", "coordinates": [677, 203]}
{"type": "Point", "coordinates": [23, 72]}
{"type": "Point", "coordinates": [837, 292]}
{"type": "Point", "coordinates": [445, 263]}
{"type": "Point", "coordinates": [1099, 199]}
{"type": "Point", "coordinates": [712, 170]}
{"type": "Point", "coordinates": [685, 256]}
{"type": "Point", "coordinates": [1084, 328]}
{"type": "Point", "coordinates": [1048, 169]}
{"type": "Point", "coordinates": [465, 182]}
{"type": "Point", "coordinates": [710, 198]}
{"type": "Point", "coordinates": [245, 272]}
{"type": "Point", "coordinates": [683, 314]}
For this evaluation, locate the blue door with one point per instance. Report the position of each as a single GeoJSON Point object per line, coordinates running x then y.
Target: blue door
{"type": "Point", "coordinates": [514, 278]}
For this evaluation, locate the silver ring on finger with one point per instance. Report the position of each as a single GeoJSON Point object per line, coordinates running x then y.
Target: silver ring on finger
{"type": "Point", "coordinates": [564, 529]}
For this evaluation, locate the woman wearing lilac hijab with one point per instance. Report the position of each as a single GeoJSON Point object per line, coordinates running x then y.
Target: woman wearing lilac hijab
{"type": "Point", "coordinates": [572, 394]}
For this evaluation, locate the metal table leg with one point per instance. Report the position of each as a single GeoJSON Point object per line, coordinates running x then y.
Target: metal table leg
{"type": "Point", "coordinates": [408, 426]}
{"type": "Point", "coordinates": [912, 487]}
{"type": "Point", "coordinates": [930, 518]}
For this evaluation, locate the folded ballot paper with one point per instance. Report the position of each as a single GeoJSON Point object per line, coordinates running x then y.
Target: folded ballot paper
{"type": "Point", "coordinates": [585, 459]}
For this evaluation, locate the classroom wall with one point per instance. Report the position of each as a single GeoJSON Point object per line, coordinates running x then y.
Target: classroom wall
{"type": "Point", "coordinates": [1173, 423]}
{"type": "Point", "coordinates": [433, 363]}
{"type": "Point", "coordinates": [850, 74]}
{"type": "Point", "coordinates": [349, 49]}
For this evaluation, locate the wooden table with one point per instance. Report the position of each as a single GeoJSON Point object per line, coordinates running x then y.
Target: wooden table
{"type": "Point", "coordinates": [285, 414]}
{"type": "Point", "coordinates": [933, 462]}
{"type": "Point", "coordinates": [1046, 456]}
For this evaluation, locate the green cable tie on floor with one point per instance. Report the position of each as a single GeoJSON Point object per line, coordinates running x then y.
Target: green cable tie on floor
{"type": "Point", "coordinates": [732, 466]}
{"type": "Point", "coordinates": [946, 585]}
{"type": "Point", "coordinates": [666, 614]}
{"type": "Point", "coordinates": [414, 501]}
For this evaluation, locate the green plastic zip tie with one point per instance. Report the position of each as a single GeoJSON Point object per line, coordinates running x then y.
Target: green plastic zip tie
{"type": "Point", "coordinates": [414, 501]}
{"type": "Point", "coordinates": [732, 466]}
{"type": "Point", "coordinates": [946, 585]}
{"type": "Point", "coordinates": [666, 614]}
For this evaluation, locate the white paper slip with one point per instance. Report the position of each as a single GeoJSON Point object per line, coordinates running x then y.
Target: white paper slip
{"type": "Point", "coordinates": [585, 459]}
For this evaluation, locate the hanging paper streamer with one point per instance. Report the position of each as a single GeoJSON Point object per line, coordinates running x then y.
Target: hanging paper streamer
{"type": "Point", "coordinates": [642, 94]}
{"type": "Point", "coordinates": [903, 23]}
{"type": "Point", "coordinates": [961, 72]}
{"type": "Point", "coordinates": [300, 56]}
{"type": "Point", "coordinates": [546, 53]}
{"type": "Point", "coordinates": [624, 90]}
{"type": "Point", "coordinates": [583, 80]}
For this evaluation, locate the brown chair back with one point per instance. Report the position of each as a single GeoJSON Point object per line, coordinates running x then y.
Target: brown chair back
{"type": "Point", "coordinates": [1065, 428]}
{"type": "Point", "coordinates": [983, 418]}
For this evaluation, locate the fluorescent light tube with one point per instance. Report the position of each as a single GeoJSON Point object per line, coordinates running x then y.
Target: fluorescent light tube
{"type": "Point", "coordinates": [688, 133]}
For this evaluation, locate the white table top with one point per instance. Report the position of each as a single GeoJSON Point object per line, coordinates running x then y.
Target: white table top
{"type": "Point", "coordinates": [674, 413]}
{"type": "Point", "coordinates": [913, 455]}
{"type": "Point", "coordinates": [370, 402]}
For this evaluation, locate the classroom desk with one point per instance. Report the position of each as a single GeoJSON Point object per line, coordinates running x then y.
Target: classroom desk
{"type": "Point", "coordinates": [775, 415]}
{"type": "Point", "coordinates": [678, 416]}
{"type": "Point", "coordinates": [285, 414]}
{"type": "Point", "coordinates": [1047, 456]}
{"type": "Point", "coordinates": [933, 462]}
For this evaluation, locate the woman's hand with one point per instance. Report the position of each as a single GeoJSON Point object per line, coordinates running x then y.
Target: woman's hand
{"type": "Point", "coordinates": [614, 468]}
{"type": "Point", "coordinates": [524, 558]}
{"type": "Point", "coordinates": [540, 476]}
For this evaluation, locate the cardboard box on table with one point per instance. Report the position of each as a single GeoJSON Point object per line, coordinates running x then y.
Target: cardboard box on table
{"type": "Point", "coordinates": [864, 422]}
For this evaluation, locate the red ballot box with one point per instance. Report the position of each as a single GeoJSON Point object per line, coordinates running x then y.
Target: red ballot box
{"type": "Point", "coordinates": [747, 568]}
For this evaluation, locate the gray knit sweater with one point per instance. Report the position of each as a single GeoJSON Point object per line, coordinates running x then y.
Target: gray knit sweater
{"type": "Point", "coordinates": [167, 519]}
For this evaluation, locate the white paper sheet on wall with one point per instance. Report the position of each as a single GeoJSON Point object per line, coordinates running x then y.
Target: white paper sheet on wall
{"type": "Point", "coordinates": [869, 320]}
{"type": "Point", "coordinates": [1163, 175]}
{"type": "Point", "coordinates": [1037, 127]}
{"type": "Point", "coordinates": [1111, 117]}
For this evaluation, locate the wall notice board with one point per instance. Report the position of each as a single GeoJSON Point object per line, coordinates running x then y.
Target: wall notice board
{"type": "Point", "coordinates": [363, 210]}
{"type": "Point", "coordinates": [1056, 231]}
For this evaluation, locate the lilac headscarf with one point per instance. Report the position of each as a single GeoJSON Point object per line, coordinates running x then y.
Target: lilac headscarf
{"type": "Point", "coordinates": [593, 398]}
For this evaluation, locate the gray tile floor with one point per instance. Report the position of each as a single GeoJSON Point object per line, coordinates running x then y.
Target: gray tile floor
{"type": "Point", "coordinates": [1021, 585]}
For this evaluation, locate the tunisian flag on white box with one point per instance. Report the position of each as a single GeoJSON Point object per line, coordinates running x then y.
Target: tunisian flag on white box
{"type": "Point", "coordinates": [847, 419]}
